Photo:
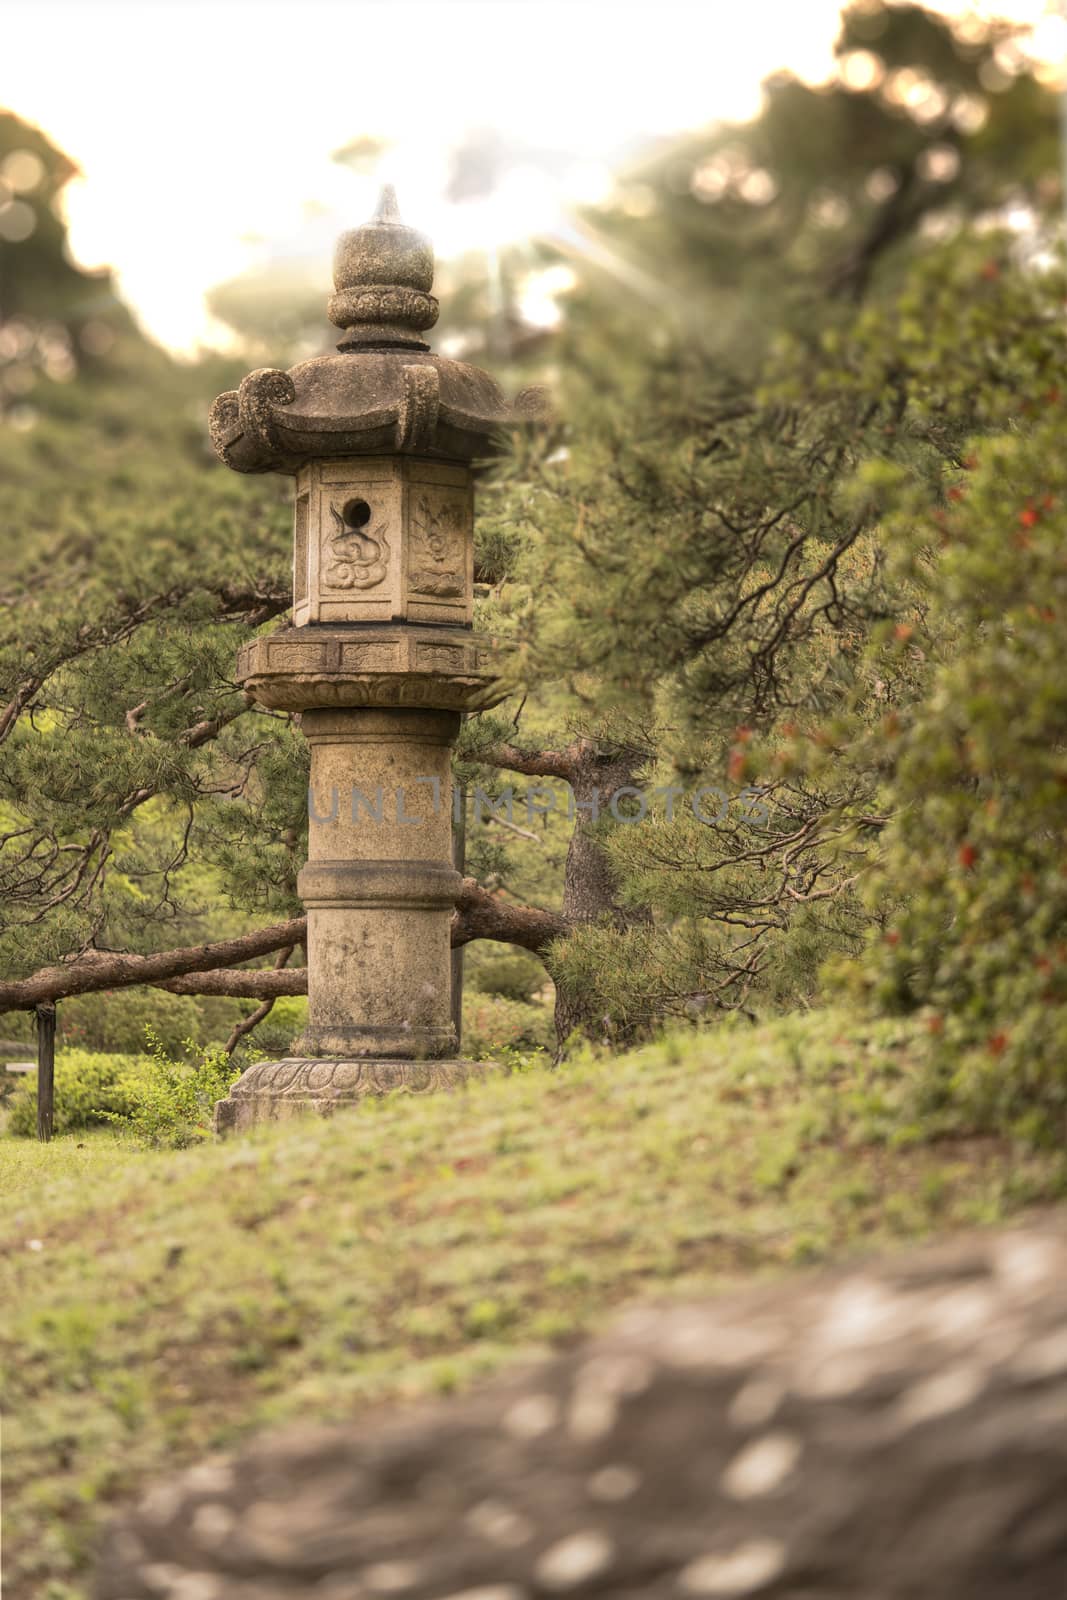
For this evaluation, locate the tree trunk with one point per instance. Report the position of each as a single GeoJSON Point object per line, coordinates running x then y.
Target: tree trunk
{"type": "Point", "coordinates": [590, 888]}
{"type": "Point", "coordinates": [596, 775]}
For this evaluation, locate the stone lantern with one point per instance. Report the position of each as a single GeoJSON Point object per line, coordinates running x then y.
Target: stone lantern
{"type": "Point", "coordinates": [380, 662]}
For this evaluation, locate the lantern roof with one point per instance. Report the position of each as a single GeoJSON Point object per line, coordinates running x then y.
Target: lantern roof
{"type": "Point", "coordinates": [384, 392]}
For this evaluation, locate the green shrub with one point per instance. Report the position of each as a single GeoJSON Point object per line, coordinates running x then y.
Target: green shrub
{"type": "Point", "coordinates": [972, 869]}
{"type": "Point", "coordinates": [491, 1024]}
{"type": "Point", "coordinates": [91, 1089]}
{"type": "Point", "coordinates": [171, 1101]}
{"type": "Point", "coordinates": [115, 1020]}
{"type": "Point", "coordinates": [513, 977]}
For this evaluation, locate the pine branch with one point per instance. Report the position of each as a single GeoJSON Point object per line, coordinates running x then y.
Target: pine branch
{"type": "Point", "coordinates": [250, 605]}
{"type": "Point", "coordinates": [481, 915]}
{"type": "Point", "coordinates": [86, 639]}
{"type": "Point", "coordinates": [235, 983]}
{"type": "Point", "coordinates": [255, 604]}
{"type": "Point", "coordinates": [97, 969]}
{"type": "Point", "coordinates": [206, 968]}
{"type": "Point", "coordinates": [534, 763]}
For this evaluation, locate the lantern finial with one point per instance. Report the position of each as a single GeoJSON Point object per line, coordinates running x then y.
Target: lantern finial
{"type": "Point", "coordinates": [383, 273]}
{"type": "Point", "coordinates": [388, 210]}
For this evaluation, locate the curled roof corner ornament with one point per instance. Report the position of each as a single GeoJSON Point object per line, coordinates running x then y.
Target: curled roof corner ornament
{"type": "Point", "coordinates": [260, 393]}
{"type": "Point", "coordinates": [420, 403]}
{"type": "Point", "coordinates": [384, 391]}
{"type": "Point", "coordinates": [223, 423]}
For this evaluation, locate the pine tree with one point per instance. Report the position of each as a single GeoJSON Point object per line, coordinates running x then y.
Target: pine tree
{"type": "Point", "coordinates": [708, 564]}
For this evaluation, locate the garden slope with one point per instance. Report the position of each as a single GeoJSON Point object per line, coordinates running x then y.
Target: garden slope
{"type": "Point", "coordinates": [160, 1304]}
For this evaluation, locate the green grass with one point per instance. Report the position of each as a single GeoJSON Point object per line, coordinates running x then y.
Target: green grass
{"type": "Point", "coordinates": [161, 1304]}
{"type": "Point", "coordinates": [24, 1163]}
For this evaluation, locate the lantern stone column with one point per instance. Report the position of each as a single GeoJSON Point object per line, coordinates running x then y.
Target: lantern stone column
{"type": "Point", "coordinates": [379, 885]}
{"type": "Point", "coordinates": [380, 661]}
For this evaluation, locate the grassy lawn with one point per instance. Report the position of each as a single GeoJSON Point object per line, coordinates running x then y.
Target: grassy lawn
{"type": "Point", "coordinates": [78, 1158]}
{"type": "Point", "coordinates": [161, 1304]}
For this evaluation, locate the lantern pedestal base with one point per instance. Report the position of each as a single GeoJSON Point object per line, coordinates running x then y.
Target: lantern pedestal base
{"type": "Point", "coordinates": [270, 1091]}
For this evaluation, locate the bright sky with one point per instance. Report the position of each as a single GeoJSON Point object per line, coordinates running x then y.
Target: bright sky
{"type": "Point", "coordinates": [204, 131]}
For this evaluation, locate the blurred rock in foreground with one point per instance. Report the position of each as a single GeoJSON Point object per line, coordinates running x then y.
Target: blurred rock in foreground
{"type": "Point", "coordinates": [898, 1429]}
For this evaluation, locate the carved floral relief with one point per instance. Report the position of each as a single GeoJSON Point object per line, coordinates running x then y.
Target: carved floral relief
{"type": "Point", "coordinates": [438, 548]}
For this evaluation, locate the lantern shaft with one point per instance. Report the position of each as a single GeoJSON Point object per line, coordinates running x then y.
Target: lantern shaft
{"type": "Point", "coordinates": [379, 885]}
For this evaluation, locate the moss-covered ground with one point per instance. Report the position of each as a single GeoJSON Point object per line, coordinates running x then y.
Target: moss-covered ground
{"type": "Point", "coordinates": [161, 1304]}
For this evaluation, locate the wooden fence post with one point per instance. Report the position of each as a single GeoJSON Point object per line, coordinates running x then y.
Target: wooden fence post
{"type": "Point", "coordinates": [46, 1070]}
